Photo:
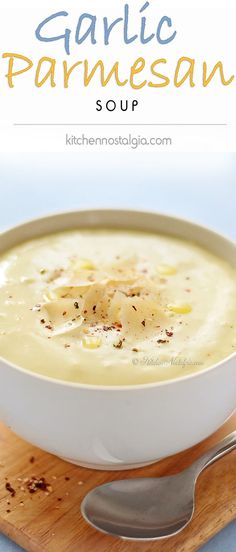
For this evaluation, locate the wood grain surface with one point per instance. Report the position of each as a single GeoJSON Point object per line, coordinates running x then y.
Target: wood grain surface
{"type": "Point", "coordinates": [51, 521]}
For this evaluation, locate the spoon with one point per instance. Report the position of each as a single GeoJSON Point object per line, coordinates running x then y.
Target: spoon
{"type": "Point", "coordinates": [149, 508]}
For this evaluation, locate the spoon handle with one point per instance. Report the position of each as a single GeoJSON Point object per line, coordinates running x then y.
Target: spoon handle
{"type": "Point", "coordinates": [216, 452]}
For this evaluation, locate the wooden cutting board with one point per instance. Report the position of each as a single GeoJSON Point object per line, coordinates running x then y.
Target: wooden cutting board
{"type": "Point", "coordinates": [50, 521]}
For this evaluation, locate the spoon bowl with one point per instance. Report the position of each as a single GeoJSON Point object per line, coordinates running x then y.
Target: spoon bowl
{"type": "Point", "coordinates": [149, 508]}
{"type": "Point", "coordinates": [141, 508]}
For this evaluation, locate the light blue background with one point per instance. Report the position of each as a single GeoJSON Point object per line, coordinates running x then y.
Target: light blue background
{"type": "Point", "coordinates": [201, 187]}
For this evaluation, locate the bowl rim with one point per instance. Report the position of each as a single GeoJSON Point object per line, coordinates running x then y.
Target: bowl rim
{"type": "Point", "coordinates": [131, 387]}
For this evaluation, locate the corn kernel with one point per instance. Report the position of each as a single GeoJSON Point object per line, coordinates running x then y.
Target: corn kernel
{"type": "Point", "coordinates": [91, 342]}
{"type": "Point", "coordinates": [167, 270]}
{"type": "Point", "coordinates": [183, 308]}
{"type": "Point", "coordinates": [85, 264]}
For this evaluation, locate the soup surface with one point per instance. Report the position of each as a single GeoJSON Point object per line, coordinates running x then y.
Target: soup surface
{"type": "Point", "coordinates": [110, 307]}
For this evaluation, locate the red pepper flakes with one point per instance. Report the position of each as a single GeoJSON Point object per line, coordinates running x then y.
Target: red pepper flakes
{"type": "Point", "coordinates": [34, 484]}
{"type": "Point", "coordinates": [162, 341]}
{"type": "Point", "coordinates": [169, 334]}
{"type": "Point", "coordinates": [49, 327]}
{"type": "Point", "coordinates": [43, 321]}
{"type": "Point", "coordinates": [107, 328]}
{"type": "Point", "coordinates": [143, 323]}
{"type": "Point", "coordinates": [118, 345]}
{"type": "Point", "coordinates": [32, 460]}
{"type": "Point", "coordinates": [132, 293]}
{"type": "Point", "coordinates": [10, 489]}
{"type": "Point", "coordinates": [67, 478]}
{"type": "Point", "coordinates": [36, 308]}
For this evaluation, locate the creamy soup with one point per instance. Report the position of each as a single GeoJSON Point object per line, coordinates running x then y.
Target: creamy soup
{"type": "Point", "coordinates": [110, 307]}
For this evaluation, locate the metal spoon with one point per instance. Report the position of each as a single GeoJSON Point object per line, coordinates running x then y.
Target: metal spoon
{"type": "Point", "coordinates": [149, 508]}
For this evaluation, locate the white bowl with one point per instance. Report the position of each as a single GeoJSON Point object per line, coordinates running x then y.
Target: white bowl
{"type": "Point", "coordinates": [117, 427]}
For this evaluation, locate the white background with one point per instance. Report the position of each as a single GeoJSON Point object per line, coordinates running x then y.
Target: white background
{"type": "Point", "coordinates": [205, 31]}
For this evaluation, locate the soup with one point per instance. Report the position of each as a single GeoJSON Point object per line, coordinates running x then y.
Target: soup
{"type": "Point", "coordinates": [115, 307]}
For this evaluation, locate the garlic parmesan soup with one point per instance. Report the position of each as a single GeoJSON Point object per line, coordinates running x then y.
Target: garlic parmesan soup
{"type": "Point", "coordinates": [113, 307]}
